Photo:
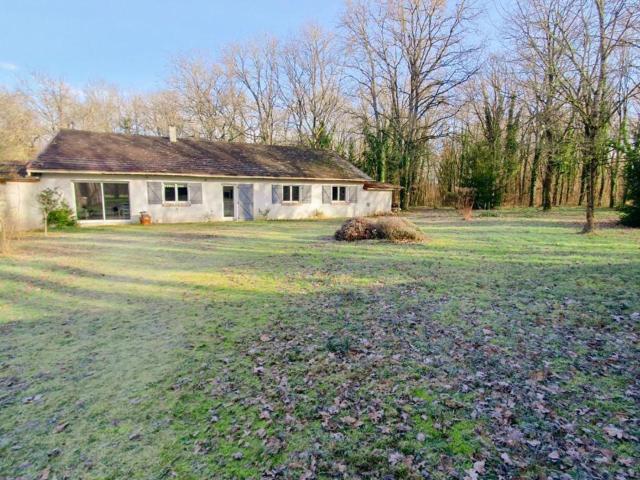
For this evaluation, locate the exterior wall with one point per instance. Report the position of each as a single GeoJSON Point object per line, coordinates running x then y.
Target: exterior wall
{"type": "Point", "coordinates": [211, 209]}
{"type": "Point", "coordinates": [18, 204]}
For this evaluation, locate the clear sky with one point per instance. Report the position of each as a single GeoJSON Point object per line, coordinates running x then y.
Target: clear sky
{"type": "Point", "coordinates": [129, 42]}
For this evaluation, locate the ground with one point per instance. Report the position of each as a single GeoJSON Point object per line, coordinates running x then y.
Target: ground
{"type": "Point", "coordinates": [504, 347]}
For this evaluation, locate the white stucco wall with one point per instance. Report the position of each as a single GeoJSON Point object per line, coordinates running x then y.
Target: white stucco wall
{"type": "Point", "coordinates": [22, 199]}
{"type": "Point", "coordinates": [19, 206]}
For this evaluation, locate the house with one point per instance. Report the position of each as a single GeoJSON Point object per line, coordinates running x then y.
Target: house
{"type": "Point", "coordinates": [110, 178]}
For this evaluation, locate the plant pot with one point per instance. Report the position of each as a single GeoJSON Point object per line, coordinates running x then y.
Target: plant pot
{"type": "Point", "coordinates": [145, 218]}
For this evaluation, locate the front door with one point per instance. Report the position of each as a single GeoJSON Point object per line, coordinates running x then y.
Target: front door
{"type": "Point", "coordinates": [245, 201]}
{"type": "Point", "coordinates": [228, 201]}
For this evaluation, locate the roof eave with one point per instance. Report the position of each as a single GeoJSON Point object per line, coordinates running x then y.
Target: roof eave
{"type": "Point", "coordinates": [197, 175]}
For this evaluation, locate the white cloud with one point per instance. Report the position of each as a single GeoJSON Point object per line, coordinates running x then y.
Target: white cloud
{"type": "Point", "coordinates": [11, 67]}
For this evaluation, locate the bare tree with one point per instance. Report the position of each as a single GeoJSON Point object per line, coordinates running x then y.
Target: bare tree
{"type": "Point", "coordinates": [313, 93]}
{"type": "Point", "coordinates": [209, 99]}
{"type": "Point", "coordinates": [19, 127]}
{"type": "Point", "coordinates": [593, 33]}
{"type": "Point", "coordinates": [419, 55]}
{"type": "Point", "coordinates": [53, 101]}
{"type": "Point", "coordinates": [534, 27]}
{"type": "Point", "coordinates": [101, 109]}
{"type": "Point", "coordinates": [255, 66]}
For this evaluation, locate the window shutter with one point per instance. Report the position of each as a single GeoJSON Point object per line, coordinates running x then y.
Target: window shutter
{"type": "Point", "coordinates": [326, 193]}
{"type": "Point", "coordinates": [195, 193]}
{"type": "Point", "coordinates": [276, 194]}
{"type": "Point", "coordinates": [352, 194]}
{"type": "Point", "coordinates": [306, 193]}
{"type": "Point", "coordinates": [154, 192]}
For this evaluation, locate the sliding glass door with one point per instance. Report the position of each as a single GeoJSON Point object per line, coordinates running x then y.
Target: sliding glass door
{"type": "Point", "coordinates": [102, 201]}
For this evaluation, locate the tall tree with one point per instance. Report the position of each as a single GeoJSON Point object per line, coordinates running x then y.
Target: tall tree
{"type": "Point", "coordinates": [418, 55]}
{"type": "Point", "coordinates": [313, 90]}
{"type": "Point", "coordinates": [593, 33]}
{"type": "Point", "coordinates": [209, 99]}
{"type": "Point", "coordinates": [255, 66]}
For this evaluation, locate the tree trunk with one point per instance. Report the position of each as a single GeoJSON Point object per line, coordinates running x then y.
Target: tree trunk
{"type": "Point", "coordinates": [603, 178]}
{"type": "Point", "coordinates": [555, 189]}
{"type": "Point", "coordinates": [534, 175]}
{"type": "Point", "coordinates": [583, 184]}
{"type": "Point", "coordinates": [591, 197]}
{"type": "Point", "coordinates": [592, 171]}
{"type": "Point", "coordinates": [546, 187]}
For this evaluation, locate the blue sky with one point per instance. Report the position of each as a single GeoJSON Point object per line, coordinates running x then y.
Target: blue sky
{"type": "Point", "coordinates": [129, 42]}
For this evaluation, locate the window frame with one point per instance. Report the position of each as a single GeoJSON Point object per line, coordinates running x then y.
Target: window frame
{"type": "Point", "coordinates": [104, 211]}
{"type": "Point", "coordinates": [290, 189]}
{"type": "Point", "coordinates": [175, 186]}
{"type": "Point", "coordinates": [338, 189]}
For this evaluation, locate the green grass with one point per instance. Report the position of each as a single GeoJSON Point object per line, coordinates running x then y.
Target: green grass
{"type": "Point", "coordinates": [237, 350]}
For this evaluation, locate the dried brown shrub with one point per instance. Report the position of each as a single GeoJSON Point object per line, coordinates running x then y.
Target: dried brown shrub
{"type": "Point", "coordinates": [464, 202]}
{"type": "Point", "coordinates": [398, 229]}
{"type": "Point", "coordinates": [356, 228]}
{"type": "Point", "coordinates": [395, 229]}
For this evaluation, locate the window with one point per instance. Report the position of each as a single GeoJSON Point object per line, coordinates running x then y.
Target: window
{"type": "Point", "coordinates": [291, 193]}
{"type": "Point", "coordinates": [176, 192]}
{"type": "Point", "coordinates": [102, 201]}
{"type": "Point", "coordinates": [339, 194]}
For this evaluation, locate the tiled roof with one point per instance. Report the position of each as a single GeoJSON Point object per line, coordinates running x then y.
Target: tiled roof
{"type": "Point", "coordinates": [76, 150]}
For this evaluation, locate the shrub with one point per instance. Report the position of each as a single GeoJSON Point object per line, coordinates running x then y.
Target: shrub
{"type": "Point", "coordinates": [51, 201]}
{"type": "Point", "coordinates": [464, 202]}
{"type": "Point", "coordinates": [62, 216]}
{"type": "Point", "coordinates": [395, 229]}
{"type": "Point", "coordinates": [398, 229]}
{"type": "Point", "coordinates": [357, 228]}
{"type": "Point", "coordinates": [631, 208]}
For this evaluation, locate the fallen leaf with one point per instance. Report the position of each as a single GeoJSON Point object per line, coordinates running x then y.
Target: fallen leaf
{"type": "Point", "coordinates": [61, 427]}
{"type": "Point", "coordinates": [613, 431]}
{"type": "Point", "coordinates": [265, 415]}
{"type": "Point", "coordinates": [395, 457]}
{"type": "Point", "coordinates": [473, 472]}
{"type": "Point", "coordinates": [506, 458]}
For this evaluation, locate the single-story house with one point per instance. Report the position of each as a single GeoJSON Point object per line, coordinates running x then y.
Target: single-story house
{"type": "Point", "coordinates": [110, 178]}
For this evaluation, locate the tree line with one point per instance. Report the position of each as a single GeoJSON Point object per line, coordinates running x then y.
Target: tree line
{"type": "Point", "coordinates": [547, 115]}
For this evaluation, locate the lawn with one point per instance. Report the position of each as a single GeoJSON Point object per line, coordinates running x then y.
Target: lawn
{"type": "Point", "coordinates": [506, 346]}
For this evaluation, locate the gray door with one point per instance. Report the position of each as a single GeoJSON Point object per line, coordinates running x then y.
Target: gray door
{"type": "Point", "coordinates": [245, 201]}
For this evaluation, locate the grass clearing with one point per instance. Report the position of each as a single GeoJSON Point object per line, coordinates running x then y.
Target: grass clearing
{"type": "Point", "coordinates": [264, 349]}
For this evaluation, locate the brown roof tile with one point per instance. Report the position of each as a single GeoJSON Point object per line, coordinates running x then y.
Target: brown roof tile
{"type": "Point", "coordinates": [76, 150]}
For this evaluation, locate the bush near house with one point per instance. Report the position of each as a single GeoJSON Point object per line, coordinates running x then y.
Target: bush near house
{"type": "Point", "coordinates": [62, 216]}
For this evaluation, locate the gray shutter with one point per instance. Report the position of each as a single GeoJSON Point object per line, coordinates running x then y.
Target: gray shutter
{"type": "Point", "coordinates": [195, 193]}
{"type": "Point", "coordinates": [276, 194]}
{"type": "Point", "coordinates": [154, 192]}
{"type": "Point", "coordinates": [306, 193]}
{"type": "Point", "coordinates": [326, 193]}
{"type": "Point", "coordinates": [352, 194]}
{"type": "Point", "coordinates": [245, 203]}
